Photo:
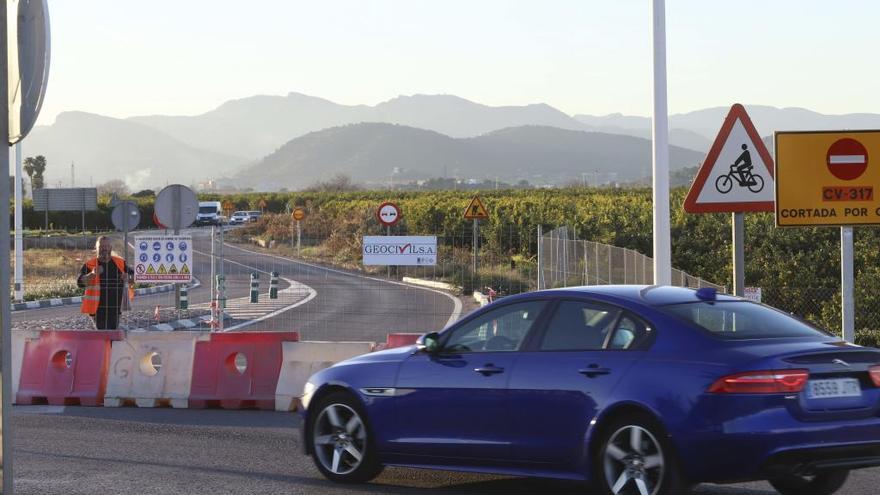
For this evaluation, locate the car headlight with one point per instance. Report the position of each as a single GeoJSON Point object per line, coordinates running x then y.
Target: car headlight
{"type": "Point", "coordinates": [308, 391]}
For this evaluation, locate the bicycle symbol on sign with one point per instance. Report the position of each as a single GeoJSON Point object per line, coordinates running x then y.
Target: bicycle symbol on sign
{"type": "Point", "coordinates": [741, 172]}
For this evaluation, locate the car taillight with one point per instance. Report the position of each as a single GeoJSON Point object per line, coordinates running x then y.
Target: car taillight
{"type": "Point", "coordinates": [875, 374]}
{"type": "Point", "coordinates": [763, 382]}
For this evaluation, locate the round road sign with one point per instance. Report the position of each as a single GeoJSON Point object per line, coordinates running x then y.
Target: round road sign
{"type": "Point", "coordinates": [298, 213]}
{"type": "Point", "coordinates": [126, 216]}
{"type": "Point", "coordinates": [176, 206]}
{"type": "Point", "coordinates": [847, 159]}
{"type": "Point", "coordinates": [388, 214]}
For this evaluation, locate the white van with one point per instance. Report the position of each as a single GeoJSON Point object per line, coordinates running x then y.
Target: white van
{"type": "Point", "coordinates": [209, 213]}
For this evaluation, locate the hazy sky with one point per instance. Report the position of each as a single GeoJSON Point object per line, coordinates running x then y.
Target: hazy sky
{"type": "Point", "coordinates": [184, 57]}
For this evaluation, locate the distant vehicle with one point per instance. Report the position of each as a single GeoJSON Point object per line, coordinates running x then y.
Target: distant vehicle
{"type": "Point", "coordinates": [640, 390]}
{"type": "Point", "coordinates": [209, 213]}
{"type": "Point", "coordinates": [239, 217]}
{"type": "Point", "coordinates": [254, 215]}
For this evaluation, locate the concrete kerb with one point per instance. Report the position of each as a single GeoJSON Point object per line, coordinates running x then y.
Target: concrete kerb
{"type": "Point", "coordinates": [66, 301]}
{"type": "Point", "coordinates": [481, 298]}
{"type": "Point", "coordinates": [300, 360]}
{"type": "Point", "coordinates": [184, 324]}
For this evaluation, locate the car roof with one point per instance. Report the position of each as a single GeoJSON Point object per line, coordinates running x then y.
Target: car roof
{"type": "Point", "coordinates": [652, 295]}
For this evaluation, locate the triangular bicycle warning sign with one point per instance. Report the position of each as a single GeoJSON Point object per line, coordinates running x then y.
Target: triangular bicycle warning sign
{"type": "Point", "coordinates": [737, 174]}
{"type": "Point", "coordinates": [476, 210]}
{"type": "Point", "coordinates": [173, 268]}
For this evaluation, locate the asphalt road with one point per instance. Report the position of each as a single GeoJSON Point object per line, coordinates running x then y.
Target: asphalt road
{"type": "Point", "coordinates": [347, 306]}
{"type": "Point", "coordinates": [166, 451]}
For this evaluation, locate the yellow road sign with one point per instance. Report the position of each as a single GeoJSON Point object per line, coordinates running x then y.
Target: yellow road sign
{"type": "Point", "coordinates": [827, 178]}
{"type": "Point", "coordinates": [299, 213]}
{"type": "Point", "coordinates": [228, 205]}
{"type": "Point", "coordinates": [476, 210]}
{"type": "Point", "coordinates": [262, 203]}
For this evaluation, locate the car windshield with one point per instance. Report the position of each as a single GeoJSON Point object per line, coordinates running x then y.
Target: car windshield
{"type": "Point", "coordinates": [207, 209]}
{"type": "Point", "coordinates": [239, 214]}
{"type": "Point", "coordinates": [736, 320]}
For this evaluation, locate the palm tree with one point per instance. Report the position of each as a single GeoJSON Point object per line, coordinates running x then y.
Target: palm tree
{"type": "Point", "coordinates": [34, 167]}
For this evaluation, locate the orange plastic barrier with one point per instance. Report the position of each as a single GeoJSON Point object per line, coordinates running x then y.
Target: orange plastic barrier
{"type": "Point", "coordinates": [401, 339]}
{"type": "Point", "coordinates": [238, 370]}
{"type": "Point", "coordinates": [66, 368]}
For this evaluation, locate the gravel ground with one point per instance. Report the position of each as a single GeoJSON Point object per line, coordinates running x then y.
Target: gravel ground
{"type": "Point", "coordinates": [129, 320]}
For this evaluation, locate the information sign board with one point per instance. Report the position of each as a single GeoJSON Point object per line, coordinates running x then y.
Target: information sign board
{"type": "Point", "coordinates": [386, 250]}
{"type": "Point", "coordinates": [163, 259]}
{"type": "Point", "coordinates": [827, 178]}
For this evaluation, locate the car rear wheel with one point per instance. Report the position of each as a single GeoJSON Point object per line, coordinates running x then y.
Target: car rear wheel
{"type": "Point", "coordinates": [824, 483]}
{"type": "Point", "coordinates": [341, 442]}
{"type": "Point", "coordinates": [634, 458]}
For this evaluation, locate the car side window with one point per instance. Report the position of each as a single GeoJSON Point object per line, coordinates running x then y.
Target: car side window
{"type": "Point", "coordinates": [579, 326]}
{"type": "Point", "coordinates": [501, 329]}
{"type": "Point", "coordinates": [630, 332]}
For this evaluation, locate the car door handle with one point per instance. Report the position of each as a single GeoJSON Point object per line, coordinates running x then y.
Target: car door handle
{"type": "Point", "coordinates": [489, 369]}
{"type": "Point", "coordinates": [593, 371]}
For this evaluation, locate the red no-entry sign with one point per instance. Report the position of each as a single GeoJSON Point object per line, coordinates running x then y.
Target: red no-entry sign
{"type": "Point", "coordinates": [847, 159]}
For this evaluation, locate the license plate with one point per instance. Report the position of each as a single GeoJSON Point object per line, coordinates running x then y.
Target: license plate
{"type": "Point", "coordinates": [840, 387]}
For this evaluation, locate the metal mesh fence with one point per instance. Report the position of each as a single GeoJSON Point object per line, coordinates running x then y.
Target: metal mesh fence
{"type": "Point", "coordinates": [325, 292]}
{"type": "Point", "coordinates": [567, 261]}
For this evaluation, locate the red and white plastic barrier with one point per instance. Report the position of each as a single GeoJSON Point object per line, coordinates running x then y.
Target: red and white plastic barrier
{"type": "Point", "coordinates": [238, 370]}
{"type": "Point", "coordinates": [264, 370]}
{"type": "Point", "coordinates": [66, 368]}
{"type": "Point", "coordinates": [303, 359]}
{"type": "Point", "coordinates": [150, 369]}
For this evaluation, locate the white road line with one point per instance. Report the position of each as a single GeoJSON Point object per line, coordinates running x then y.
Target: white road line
{"type": "Point", "coordinates": [294, 285]}
{"type": "Point", "coordinates": [457, 306]}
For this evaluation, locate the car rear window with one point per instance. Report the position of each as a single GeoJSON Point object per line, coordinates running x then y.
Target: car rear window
{"type": "Point", "coordinates": [736, 320]}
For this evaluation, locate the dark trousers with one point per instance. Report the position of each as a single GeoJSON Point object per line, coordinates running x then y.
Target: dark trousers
{"type": "Point", "coordinates": [106, 320]}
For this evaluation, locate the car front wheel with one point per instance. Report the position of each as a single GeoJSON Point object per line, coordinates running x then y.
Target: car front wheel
{"type": "Point", "coordinates": [634, 458]}
{"type": "Point", "coordinates": [341, 443]}
{"type": "Point", "coordinates": [824, 483]}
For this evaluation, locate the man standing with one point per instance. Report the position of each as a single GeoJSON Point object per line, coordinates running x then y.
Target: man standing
{"type": "Point", "coordinates": [104, 278]}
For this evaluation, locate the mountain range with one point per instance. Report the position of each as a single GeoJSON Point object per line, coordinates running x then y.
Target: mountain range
{"type": "Point", "coordinates": [377, 154]}
{"type": "Point", "coordinates": [242, 139]}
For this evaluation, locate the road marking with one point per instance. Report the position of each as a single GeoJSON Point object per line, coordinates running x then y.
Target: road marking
{"type": "Point", "coordinates": [457, 306]}
{"type": "Point", "coordinates": [293, 286]}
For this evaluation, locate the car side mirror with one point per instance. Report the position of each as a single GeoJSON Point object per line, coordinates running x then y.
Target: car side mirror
{"type": "Point", "coordinates": [430, 342]}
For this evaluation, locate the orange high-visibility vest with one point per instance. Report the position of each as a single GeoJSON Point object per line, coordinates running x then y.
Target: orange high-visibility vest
{"type": "Point", "coordinates": [93, 291]}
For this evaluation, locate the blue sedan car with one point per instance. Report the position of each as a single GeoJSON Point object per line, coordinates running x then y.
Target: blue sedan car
{"type": "Point", "coordinates": [636, 389]}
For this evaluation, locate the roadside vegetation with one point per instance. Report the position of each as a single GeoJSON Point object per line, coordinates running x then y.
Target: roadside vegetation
{"type": "Point", "coordinates": [798, 269]}
{"type": "Point", "coordinates": [50, 273]}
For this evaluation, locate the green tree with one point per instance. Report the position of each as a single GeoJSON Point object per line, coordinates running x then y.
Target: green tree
{"type": "Point", "coordinates": [35, 166]}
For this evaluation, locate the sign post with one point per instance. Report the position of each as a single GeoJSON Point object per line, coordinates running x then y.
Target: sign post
{"type": "Point", "coordinates": [24, 44]}
{"type": "Point", "coordinates": [125, 217]}
{"type": "Point", "coordinates": [736, 177]}
{"type": "Point", "coordinates": [476, 211]}
{"type": "Point", "coordinates": [176, 206]}
{"type": "Point", "coordinates": [823, 180]}
{"type": "Point", "coordinates": [298, 215]}
{"type": "Point", "coordinates": [388, 215]}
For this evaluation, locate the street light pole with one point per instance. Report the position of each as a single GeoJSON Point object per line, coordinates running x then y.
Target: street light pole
{"type": "Point", "coordinates": [662, 241]}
